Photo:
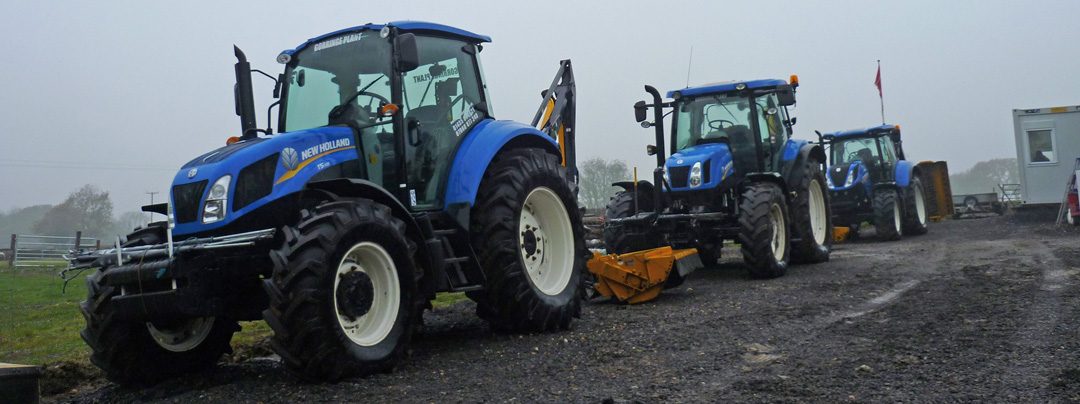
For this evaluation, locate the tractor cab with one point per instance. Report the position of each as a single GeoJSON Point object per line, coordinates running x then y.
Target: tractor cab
{"type": "Point", "coordinates": [721, 132]}
{"type": "Point", "coordinates": [863, 156]}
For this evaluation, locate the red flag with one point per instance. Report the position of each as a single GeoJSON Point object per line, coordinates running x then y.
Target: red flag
{"type": "Point", "coordinates": [877, 82]}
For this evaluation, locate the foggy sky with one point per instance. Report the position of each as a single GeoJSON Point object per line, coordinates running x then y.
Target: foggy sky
{"type": "Point", "coordinates": [120, 94]}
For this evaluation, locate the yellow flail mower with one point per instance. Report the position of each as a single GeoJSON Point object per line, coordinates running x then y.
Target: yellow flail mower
{"type": "Point", "coordinates": [639, 276]}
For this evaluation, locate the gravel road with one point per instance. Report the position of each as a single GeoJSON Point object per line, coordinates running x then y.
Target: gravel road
{"type": "Point", "coordinates": [977, 310]}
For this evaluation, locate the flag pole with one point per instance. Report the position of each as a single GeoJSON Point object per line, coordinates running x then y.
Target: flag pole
{"type": "Point", "coordinates": [881, 95]}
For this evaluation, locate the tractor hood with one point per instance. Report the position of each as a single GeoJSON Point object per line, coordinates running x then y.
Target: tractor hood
{"type": "Point", "coordinates": [259, 170]}
{"type": "Point", "coordinates": [847, 175]}
{"type": "Point", "coordinates": [699, 167]}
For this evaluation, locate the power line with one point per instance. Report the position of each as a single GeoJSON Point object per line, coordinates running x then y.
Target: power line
{"type": "Point", "coordinates": [79, 165]}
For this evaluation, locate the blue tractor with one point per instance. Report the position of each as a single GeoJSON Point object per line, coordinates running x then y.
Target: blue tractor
{"type": "Point", "coordinates": [871, 181]}
{"type": "Point", "coordinates": [388, 180]}
{"type": "Point", "coordinates": [734, 174]}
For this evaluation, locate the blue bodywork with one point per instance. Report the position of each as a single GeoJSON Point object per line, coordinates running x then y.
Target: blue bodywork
{"type": "Point", "coordinates": [476, 151]}
{"type": "Point", "coordinates": [856, 175]}
{"type": "Point", "coordinates": [338, 143]}
{"type": "Point", "coordinates": [319, 148]}
{"type": "Point", "coordinates": [406, 26]}
{"type": "Point", "coordinates": [724, 87]}
{"type": "Point", "coordinates": [720, 166]}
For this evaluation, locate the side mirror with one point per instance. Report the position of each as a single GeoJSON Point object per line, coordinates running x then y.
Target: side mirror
{"type": "Point", "coordinates": [786, 95]}
{"type": "Point", "coordinates": [639, 111]}
{"type": "Point", "coordinates": [408, 55]}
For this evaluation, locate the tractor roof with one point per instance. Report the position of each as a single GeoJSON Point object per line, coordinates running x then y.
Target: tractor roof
{"type": "Point", "coordinates": [864, 132]}
{"type": "Point", "coordinates": [724, 87]}
{"type": "Point", "coordinates": [406, 26]}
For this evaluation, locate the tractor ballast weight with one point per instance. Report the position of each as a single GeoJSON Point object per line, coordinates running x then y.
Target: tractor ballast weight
{"type": "Point", "coordinates": [387, 182]}
{"type": "Point", "coordinates": [733, 174]}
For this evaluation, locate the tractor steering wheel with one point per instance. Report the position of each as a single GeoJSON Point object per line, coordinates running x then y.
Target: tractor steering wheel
{"type": "Point", "coordinates": [372, 95]}
{"type": "Point", "coordinates": [853, 156]}
{"type": "Point", "coordinates": [718, 124]}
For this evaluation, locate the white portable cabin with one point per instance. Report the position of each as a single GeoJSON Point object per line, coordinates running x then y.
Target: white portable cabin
{"type": "Point", "coordinates": [1047, 146]}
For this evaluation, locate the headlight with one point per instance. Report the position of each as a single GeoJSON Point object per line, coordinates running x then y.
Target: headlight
{"type": "Point", "coordinates": [214, 210]}
{"type": "Point", "coordinates": [852, 173]}
{"type": "Point", "coordinates": [695, 175]}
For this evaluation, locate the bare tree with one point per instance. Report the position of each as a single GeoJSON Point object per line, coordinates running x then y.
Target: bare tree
{"type": "Point", "coordinates": [88, 209]}
{"type": "Point", "coordinates": [597, 175]}
{"type": "Point", "coordinates": [985, 176]}
{"type": "Point", "coordinates": [128, 221]}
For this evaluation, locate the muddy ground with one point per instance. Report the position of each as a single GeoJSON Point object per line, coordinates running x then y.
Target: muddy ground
{"type": "Point", "coordinates": [977, 310]}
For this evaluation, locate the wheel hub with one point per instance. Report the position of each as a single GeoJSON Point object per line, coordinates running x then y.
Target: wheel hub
{"type": "Point", "coordinates": [355, 294]}
{"type": "Point", "coordinates": [530, 242]}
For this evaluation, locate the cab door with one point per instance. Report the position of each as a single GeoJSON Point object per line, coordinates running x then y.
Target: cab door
{"type": "Point", "coordinates": [438, 99]}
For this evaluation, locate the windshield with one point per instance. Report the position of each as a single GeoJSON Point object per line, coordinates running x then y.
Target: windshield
{"type": "Point", "coordinates": [711, 119]}
{"type": "Point", "coordinates": [352, 66]}
{"type": "Point", "coordinates": [847, 151]}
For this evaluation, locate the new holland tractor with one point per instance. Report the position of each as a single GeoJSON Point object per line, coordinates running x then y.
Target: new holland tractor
{"type": "Point", "coordinates": [871, 181]}
{"type": "Point", "coordinates": [734, 174]}
{"type": "Point", "coordinates": [389, 180]}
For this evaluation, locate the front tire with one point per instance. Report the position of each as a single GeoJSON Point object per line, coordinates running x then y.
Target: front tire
{"type": "Point", "coordinates": [887, 214]}
{"type": "Point", "coordinates": [528, 238]}
{"type": "Point", "coordinates": [343, 294]}
{"type": "Point", "coordinates": [811, 217]}
{"type": "Point", "coordinates": [763, 230]}
{"type": "Point", "coordinates": [914, 208]}
{"type": "Point", "coordinates": [140, 353]}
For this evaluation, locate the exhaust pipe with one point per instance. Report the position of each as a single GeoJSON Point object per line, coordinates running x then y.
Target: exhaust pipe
{"type": "Point", "coordinates": [243, 95]}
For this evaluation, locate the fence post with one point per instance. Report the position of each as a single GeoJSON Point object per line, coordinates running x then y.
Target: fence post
{"type": "Point", "coordinates": [11, 259]}
{"type": "Point", "coordinates": [78, 239]}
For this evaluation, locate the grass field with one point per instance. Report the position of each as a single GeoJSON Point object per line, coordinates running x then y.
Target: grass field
{"type": "Point", "coordinates": [39, 325]}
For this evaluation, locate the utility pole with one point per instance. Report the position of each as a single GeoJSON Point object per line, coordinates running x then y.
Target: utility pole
{"type": "Point", "coordinates": [149, 215]}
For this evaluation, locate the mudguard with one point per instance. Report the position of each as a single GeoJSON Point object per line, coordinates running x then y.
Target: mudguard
{"type": "Point", "coordinates": [797, 151]}
{"type": "Point", "coordinates": [480, 147]}
{"type": "Point", "coordinates": [903, 173]}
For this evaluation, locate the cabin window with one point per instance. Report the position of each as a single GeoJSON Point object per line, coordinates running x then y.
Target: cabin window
{"type": "Point", "coordinates": [1041, 146]}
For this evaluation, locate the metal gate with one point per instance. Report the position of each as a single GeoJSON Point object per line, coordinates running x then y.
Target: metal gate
{"type": "Point", "coordinates": [31, 250]}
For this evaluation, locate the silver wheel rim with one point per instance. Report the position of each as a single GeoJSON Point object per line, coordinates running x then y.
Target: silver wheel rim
{"type": "Point", "coordinates": [817, 212]}
{"type": "Point", "coordinates": [372, 327]}
{"type": "Point", "coordinates": [182, 337]}
{"type": "Point", "coordinates": [920, 205]}
{"type": "Point", "coordinates": [779, 232]}
{"type": "Point", "coordinates": [546, 241]}
{"type": "Point", "coordinates": [896, 215]}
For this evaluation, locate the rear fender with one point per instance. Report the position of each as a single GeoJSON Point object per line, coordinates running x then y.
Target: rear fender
{"type": "Point", "coordinates": [903, 173]}
{"type": "Point", "coordinates": [480, 147]}
{"type": "Point", "coordinates": [796, 152]}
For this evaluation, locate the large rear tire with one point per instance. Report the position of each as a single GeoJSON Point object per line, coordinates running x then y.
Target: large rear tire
{"type": "Point", "coordinates": [763, 230]}
{"type": "Point", "coordinates": [887, 214]}
{"type": "Point", "coordinates": [811, 216]}
{"type": "Point", "coordinates": [141, 353]}
{"type": "Point", "coordinates": [914, 208]}
{"type": "Point", "coordinates": [343, 298]}
{"type": "Point", "coordinates": [529, 239]}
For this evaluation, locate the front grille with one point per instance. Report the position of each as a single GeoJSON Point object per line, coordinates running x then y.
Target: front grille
{"type": "Point", "coordinates": [679, 176]}
{"type": "Point", "coordinates": [255, 181]}
{"type": "Point", "coordinates": [838, 175]}
{"type": "Point", "coordinates": [186, 198]}
{"type": "Point", "coordinates": [706, 172]}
